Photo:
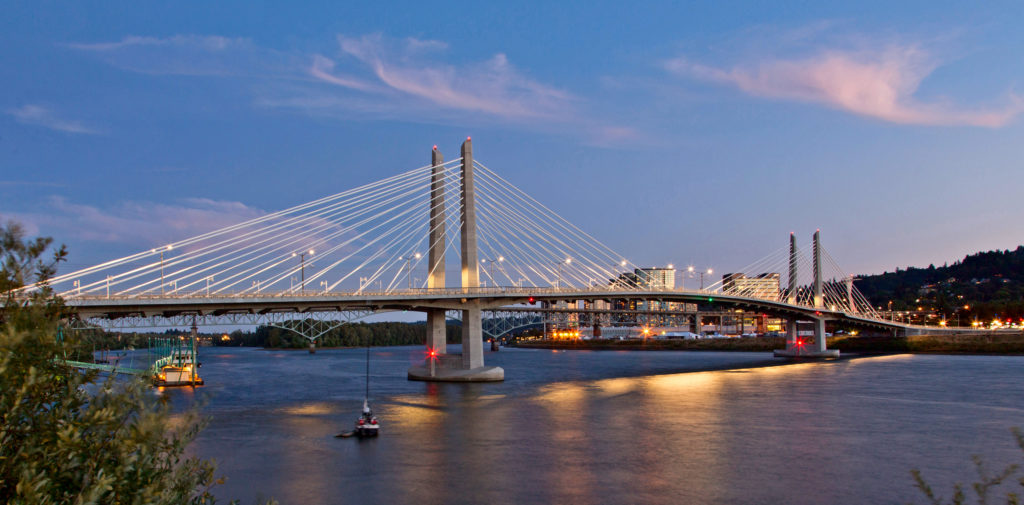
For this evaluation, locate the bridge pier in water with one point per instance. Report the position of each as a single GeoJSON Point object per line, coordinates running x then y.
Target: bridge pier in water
{"type": "Point", "coordinates": [471, 366]}
{"type": "Point", "coordinates": [795, 346]}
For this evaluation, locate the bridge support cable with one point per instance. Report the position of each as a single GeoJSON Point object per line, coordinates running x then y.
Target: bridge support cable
{"type": "Point", "coordinates": [213, 234]}
{"type": "Point", "coordinates": [545, 248]}
{"type": "Point", "coordinates": [609, 256]}
{"type": "Point", "coordinates": [167, 258]}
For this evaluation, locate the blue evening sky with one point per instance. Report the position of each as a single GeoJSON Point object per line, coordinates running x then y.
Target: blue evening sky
{"type": "Point", "coordinates": [694, 133]}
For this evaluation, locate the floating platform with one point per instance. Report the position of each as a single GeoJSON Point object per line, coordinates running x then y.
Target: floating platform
{"type": "Point", "coordinates": [794, 353]}
{"type": "Point", "coordinates": [480, 374]}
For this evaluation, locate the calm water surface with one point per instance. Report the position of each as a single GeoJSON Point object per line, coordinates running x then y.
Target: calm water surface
{"type": "Point", "coordinates": [604, 427]}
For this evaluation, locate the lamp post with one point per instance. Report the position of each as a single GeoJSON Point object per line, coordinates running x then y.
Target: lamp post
{"type": "Point", "coordinates": [302, 267]}
{"type": "Point", "coordinates": [324, 284]}
{"type": "Point", "coordinates": [558, 281]}
{"type": "Point", "coordinates": [709, 272]}
{"type": "Point", "coordinates": [78, 288]}
{"type": "Point", "coordinates": [168, 248]}
{"type": "Point", "coordinates": [490, 267]}
{"type": "Point", "coordinates": [408, 266]}
{"type": "Point", "coordinates": [208, 279]}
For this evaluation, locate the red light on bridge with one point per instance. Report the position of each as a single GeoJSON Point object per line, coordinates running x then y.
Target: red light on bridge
{"type": "Point", "coordinates": [532, 300]}
{"type": "Point", "coordinates": [435, 147]}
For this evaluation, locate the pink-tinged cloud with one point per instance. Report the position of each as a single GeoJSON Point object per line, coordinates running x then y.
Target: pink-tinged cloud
{"type": "Point", "coordinates": [494, 87]}
{"type": "Point", "coordinates": [879, 84]}
{"type": "Point", "coordinates": [140, 224]}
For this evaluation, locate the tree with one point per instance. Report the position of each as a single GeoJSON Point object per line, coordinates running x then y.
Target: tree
{"type": "Point", "coordinates": [65, 436]}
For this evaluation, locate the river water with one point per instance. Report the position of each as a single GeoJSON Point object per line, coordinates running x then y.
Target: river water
{"type": "Point", "coordinates": [604, 427]}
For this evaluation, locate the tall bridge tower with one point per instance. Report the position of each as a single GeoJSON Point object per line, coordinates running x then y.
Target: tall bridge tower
{"type": "Point", "coordinates": [440, 365]}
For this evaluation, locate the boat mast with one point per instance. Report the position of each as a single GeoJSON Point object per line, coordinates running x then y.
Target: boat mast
{"type": "Point", "coordinates": [367, 397]}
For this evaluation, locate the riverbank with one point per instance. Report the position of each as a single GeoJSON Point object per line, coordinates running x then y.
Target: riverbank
{"type": "Point", "coordinates": [993, 343]}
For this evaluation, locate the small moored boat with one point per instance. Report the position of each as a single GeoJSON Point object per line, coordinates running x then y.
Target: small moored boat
{"type": "Point", "coordinates": [367, 425]}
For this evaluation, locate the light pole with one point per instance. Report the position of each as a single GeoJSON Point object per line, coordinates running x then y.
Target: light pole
{"type": "Point", "coordinates": [408, 266]}
{"type": "Point", "coordinates": [709, 272]}
{"type": "Point", "coordinates": [302, 268]}
{"type": "Point", "coordinates": [558, 281]}
{"type": "Point", "coordinates": [490, 267]}
{"type": "Point", "coordinates": [256, 284]}
{"type": "Point", "coordinates": [208, 279]}
{"type": "Point", "coordinates": [78, 288]}
{"type": "Point", "coordinates": [324, 284]}
{"type": "Point", "coordinates": [168, 248]}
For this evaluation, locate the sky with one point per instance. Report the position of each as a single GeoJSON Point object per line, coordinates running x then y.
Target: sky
{"type": "Point", "coordinates": [697, 133]}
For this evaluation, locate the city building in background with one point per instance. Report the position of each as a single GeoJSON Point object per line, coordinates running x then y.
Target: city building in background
{"type": "Point", "coordinates": [761, 286]}
{"type": "Point", "coordinates": [656, 278]}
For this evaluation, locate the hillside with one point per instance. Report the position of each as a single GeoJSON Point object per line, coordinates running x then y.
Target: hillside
{"type": "Point", "coordinates": [981, 286]}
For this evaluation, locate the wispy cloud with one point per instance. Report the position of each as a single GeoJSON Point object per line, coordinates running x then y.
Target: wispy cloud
{"type": "Point", "coordinates": [880, 82]}
{"type": "Point", "coordinates": [136, 223]}
{"type": "Point", "coordinates": [184, 55]}
{"type": "Point", "coordinates": [42, 116]}
{"type": "Point", "coordinates": [494, 86]}
{"type": "Point", "coordinates": [372, 77]}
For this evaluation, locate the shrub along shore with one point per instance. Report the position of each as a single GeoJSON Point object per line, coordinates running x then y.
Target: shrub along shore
{"type": "Point", "coordinates": [989, 343]}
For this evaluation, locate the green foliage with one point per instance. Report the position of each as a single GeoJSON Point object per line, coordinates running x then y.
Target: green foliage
{"type": "Point", "coordinates": [987, 483]}
{"type": "Point", "coordinates": [66, 437]}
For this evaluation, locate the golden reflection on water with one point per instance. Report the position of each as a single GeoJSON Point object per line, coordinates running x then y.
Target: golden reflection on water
{"type": "Point", "coordinates": [299, 456]}
{"type": "Point", "coordinates": [308, 409]}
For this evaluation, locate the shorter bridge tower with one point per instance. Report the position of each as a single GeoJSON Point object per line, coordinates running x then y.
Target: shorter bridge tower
{"type": "Point", "coordinates": [795, 346]}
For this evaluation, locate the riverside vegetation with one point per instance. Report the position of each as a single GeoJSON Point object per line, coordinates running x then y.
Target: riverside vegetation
{"type": "Point", "coordinates": [70, 437]}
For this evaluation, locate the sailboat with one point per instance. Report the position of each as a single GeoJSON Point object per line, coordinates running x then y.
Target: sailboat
{"type": "Point", "coordinates": [367, 424]}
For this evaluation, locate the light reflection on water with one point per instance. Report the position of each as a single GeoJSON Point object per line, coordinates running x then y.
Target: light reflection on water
{"type": "Point", "coordinates": [604, 427]}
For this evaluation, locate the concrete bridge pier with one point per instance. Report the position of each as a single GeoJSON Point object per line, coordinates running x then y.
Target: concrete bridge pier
{"type": "Point", "coordinates": [471, 367]}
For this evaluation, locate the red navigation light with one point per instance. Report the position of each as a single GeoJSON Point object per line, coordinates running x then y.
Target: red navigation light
{"type": "Point", "coordinates": [532, 300]}
{"type": "Point", "coordinates": [469, 138]}
{"type": "Point", "coordinates": [435, 147]}
{"type": "Point", "coordinates": [799, 343]}
{"type": "Point", "coordinates": [433, 353]}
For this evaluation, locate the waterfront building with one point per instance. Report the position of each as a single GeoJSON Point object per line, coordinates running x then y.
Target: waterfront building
{"type": "Point", "coordinates": [764, 285]}
{"type": "Point", "coordinates": [656, 278]}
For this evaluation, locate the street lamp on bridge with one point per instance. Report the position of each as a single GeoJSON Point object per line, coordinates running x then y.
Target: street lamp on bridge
{"type": "Point", "coordinates": [708, 271]}
{"type": "Point", "coordinates": [408, 266]}
{"type": "Point", "coordinates": [558, 281]}
{"type": "Point", "coordinates": [162, 249]}
{"type": "Point", "coordinates": [490, 267]}
{"type": "Point", "coordinates": [302, 267]}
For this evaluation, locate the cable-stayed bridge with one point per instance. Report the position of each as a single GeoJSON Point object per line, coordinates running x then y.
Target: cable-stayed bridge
{"type": "Point", "coordinates": [400, 244]}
